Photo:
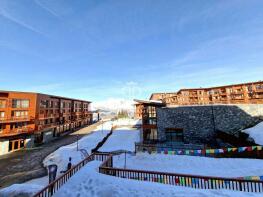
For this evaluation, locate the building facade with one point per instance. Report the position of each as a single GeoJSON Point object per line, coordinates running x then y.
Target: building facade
{"type": "Point", "coordinates": [245, 93]}
{"type": "Point", "coordinates": [29, 118]}
{"type": "Point", "coordinates": [197, 116]}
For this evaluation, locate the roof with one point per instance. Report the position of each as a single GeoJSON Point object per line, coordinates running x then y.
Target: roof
{"type": "Point", "coordinates": [53, 96]}
{"type": "Point", "coordinates": [154, 102]}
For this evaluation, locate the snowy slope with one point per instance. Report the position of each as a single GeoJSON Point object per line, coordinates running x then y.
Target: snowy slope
{"type": "Point", "coordinates": [89, 183]}
{"type": "Point", "coordinates": [221, 167]}
{"type": "Point", "coordinates": [121, 139]}
{"type": "Point", "coordinates": [256, 133]}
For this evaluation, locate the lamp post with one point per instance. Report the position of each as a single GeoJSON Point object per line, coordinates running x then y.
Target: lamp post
{"type": "Point", "coordinates": [77, 142]}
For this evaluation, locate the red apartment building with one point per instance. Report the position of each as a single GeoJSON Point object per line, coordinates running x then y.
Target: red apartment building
{"type": "Point", "coordinates": [245, 93]}
{"type": "Point", "coordinates": [28, 118]}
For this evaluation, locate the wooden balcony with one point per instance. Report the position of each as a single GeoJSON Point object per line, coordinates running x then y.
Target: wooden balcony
{"type": "Point", "coordinates": [50, 125]}
{"type": "Point", "coordinates": [16, 119]}
{"type": "Point", "coordinates": [14, 132]}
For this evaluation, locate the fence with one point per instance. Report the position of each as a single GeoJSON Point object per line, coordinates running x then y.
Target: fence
{"type": "Point", "coordinates": [54, 186]}
{"type": "Point", "coordinates": [194, 181]}
{"type": "Point", "coordinates": [245, 152]}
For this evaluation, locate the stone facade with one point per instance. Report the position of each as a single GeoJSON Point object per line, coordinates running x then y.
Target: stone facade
{"type": "Point", "coordinates": [201, 123]}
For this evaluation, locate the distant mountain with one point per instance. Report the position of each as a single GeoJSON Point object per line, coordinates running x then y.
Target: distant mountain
{"type": "Point", "coordinates": [113, 106]}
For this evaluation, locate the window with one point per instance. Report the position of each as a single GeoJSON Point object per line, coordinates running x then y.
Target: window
{"type": "Point", "coordinates": [24, 103]}
{"type": "Point", "coordinates": [19, 113]}
{"type": "Point", "coordinates": [2, 114]}
{"type": "Point", "coordinates": [2, 103]}
{"type": "Point", "coordinates": [174, 135]}
{"type": "Point", "coordinates": [2, 127]}
{"type": "Point", "coordinates": [20, 103]}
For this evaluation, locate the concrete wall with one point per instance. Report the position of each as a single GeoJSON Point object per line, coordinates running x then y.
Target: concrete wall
{"type": "Point", "coordinates": [48, 135]}
{"type": "Point", "coordinates": [200, 123]}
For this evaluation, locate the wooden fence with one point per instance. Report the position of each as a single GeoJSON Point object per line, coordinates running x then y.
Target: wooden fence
{"type": "Point", "coordinates": [54, 186]}
{"type": "Point", "coordinates": [194, 181]}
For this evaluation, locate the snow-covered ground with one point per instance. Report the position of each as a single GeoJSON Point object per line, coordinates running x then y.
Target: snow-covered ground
{"type": "Point", "coordinates": [89, 183]}
{"type": "Point", "coordinates": [127, 121]}
{"type": "Point", "coordinates": [60, 156]}
{"type": "Point", "coordinates": [121, 139]}
{"type": "Point", "coordinates": [256, 133]}
{"type": "Point", "coordinates": [220, 167]}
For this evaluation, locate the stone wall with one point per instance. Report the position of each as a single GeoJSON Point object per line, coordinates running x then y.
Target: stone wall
{"type": "Point", "coordinates": [200, 123]}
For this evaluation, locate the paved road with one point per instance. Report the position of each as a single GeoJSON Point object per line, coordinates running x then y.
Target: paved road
{"type": "Point", "coordinates": [23, 165]}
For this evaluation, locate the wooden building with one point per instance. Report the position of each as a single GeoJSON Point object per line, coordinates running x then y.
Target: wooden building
{"type": "Point", "coordinates": [27, 118]}
{"type": "Point", "coordinates": [245, 93]}
{"type": "Point", "coordinates": [146, 110]}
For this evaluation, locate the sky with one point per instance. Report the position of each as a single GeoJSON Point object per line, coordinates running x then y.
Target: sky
{"type": "Point", "coordinates": [103, 49]}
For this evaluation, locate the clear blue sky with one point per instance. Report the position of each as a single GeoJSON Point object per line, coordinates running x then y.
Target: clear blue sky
{"type": "Point", "coordinates": [120, 48]}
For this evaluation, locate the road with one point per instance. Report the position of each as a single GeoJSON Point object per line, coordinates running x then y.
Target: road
{"type": "Point", "coordinates": [24, 165]}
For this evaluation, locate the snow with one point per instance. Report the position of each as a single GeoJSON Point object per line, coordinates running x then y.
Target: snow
{"type": "Point", "coordinates": [121, 139]}
{"type": "Point", "coordinates": [88, 182]}
{"type": "Point", "coordinates": [114, 105]}
{"type": "Point", "coordinates": [182, 164]}
{"type": "Point", "coordinates": [256, 133]}
{"type": "Point", "coordinates": [60, 158]}
{"type": "Point", "coordinates": [61, 155]}
{"type": "Point", "coordinates": [20, 190]}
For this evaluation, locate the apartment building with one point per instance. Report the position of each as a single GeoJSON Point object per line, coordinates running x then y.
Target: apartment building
{"type": "Point", "coordinates": [29, 118]}
{"type": "Point", "coordinates": [245, 93]}
{"type": "Point", "coordinates": [194, 116]}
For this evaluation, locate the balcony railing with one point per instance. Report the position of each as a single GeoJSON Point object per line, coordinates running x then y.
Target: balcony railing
{"type": "Point", "coordinates": [24, 130]}
{"type": "Point", "coordinates": [15, 119]}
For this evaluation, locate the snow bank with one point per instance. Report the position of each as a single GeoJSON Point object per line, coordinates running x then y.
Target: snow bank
{"type": "Point", "coordinates": [61, 156]}
{"type": "Point", "coordinates": [88, 182]}
{"type": "Point", "coordinates": [221, 167]}
{"type": "Point", "coordinates": [121, 139]}
{"type": "Point", "coordinates": [256, 133]}
{"type": "Point", "coordinates": [127, 121]}
{"type": "Point", "coordinates": [20, 190]}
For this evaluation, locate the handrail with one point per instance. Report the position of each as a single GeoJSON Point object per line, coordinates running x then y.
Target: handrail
{"type": "Point", "coordinates": [195, 181]}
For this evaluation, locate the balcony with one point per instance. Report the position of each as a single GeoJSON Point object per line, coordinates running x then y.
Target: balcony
{"type": "Point", "coordinates": [259, 90]}
{"type": "Point", "coordinates": [16, 119]}
{"type": "Point", "coordinates": [47, 116]}
{"type": "Point", "coordinates": [14, 132]}
{"type": "Point", "coordinates": [50, 125]}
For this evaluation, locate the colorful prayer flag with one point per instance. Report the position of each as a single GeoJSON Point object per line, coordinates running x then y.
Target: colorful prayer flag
{"type": "Point", "coordinates": [234, 149]}
{"type": "Point", "coordinates": [259, 147]}
{"type": "Point", "coordinates": [249, 148]}
{"type": "Point", "coordinates": [221, 150]}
